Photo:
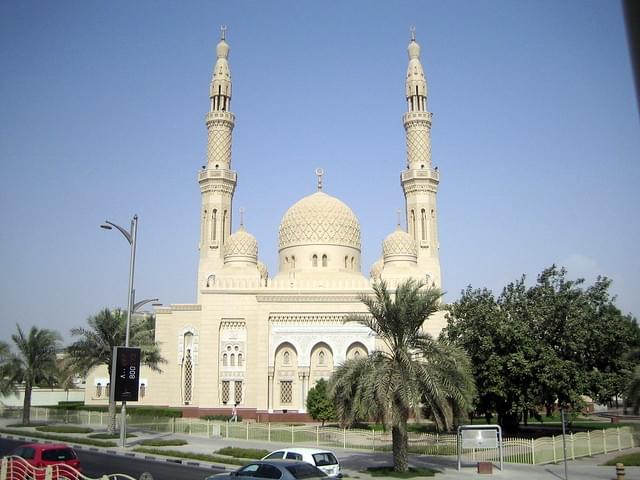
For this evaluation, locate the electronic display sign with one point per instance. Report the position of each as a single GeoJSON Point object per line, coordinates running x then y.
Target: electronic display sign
{"type": "Point", "coordinates": [125, 374]}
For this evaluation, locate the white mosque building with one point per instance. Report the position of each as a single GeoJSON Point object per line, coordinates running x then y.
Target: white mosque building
{"type": "Point", "coordinates": [261, 342]}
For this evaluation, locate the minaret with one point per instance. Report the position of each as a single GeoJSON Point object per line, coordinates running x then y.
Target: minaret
{"type": "Point", "coordinates": [217, 180]}
{"type": "Point", "coordinates": [420, 180]}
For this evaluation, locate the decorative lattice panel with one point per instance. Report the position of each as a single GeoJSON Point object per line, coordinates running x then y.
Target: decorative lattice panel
{"type": "Point", "coordinates": [286, 392]}
{"type": "Point", "coordinates": [188, 378]}
{"type": "Point", "coordinates": [237, 392]}
{"type": "Point", "coordinates": [225, 391]}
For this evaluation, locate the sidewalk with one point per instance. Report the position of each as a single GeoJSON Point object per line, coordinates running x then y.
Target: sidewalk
{"type": "Point", "coordinates": [353, 462]}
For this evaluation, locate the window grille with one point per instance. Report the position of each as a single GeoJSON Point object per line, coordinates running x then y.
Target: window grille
{"type": "Point", "coordinates": [225, 391]}
{"type": "Point", "coordinates": [286, 392]}
{"type": "Point", "coordinates": [237, 392]}
{"type": "Point", "coordinates": [188, 377]}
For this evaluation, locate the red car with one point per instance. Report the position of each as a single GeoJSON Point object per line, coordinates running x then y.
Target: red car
{"type": "Point", "coordinates": [61, 457]}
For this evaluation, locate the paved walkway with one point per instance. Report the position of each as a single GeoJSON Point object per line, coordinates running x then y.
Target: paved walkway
{"type": "Point", "coordinates": [353, 461]}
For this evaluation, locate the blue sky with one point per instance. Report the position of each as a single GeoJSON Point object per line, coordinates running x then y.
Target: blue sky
{"type": "Point", "coordinates": [535, 132]}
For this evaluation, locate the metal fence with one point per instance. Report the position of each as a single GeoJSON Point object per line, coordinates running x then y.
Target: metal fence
{"type": "Point", "coordinates": [515, 450]}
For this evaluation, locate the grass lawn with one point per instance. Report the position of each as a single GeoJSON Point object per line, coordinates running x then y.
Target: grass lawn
{"type": "Point", "coordinates": [629, 460]}
{"type": "Point", "coordinates": [389, 472]}
{"type": "Point", "coordinates": [160, 442]}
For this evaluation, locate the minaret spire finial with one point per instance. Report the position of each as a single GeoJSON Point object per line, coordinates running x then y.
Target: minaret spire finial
{"type": "Point", "coordinates": [223, 32]}
{"type": "Point", "coordinates": [412, 29]}
{"type": "Point", "coordinates": [399, 212]}
{"type": "Point", "coordinates": [241, 217]}
{"type": "Point", "coordinates": [319, 173]}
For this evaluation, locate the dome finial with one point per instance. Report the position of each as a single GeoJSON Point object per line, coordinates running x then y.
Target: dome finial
{"type": "Point", "coordinates": [412, 29]}
{"type": "Point", "coordinates": [399, 212]}
{"type": "Point", "coordinates": [319, 173]}
{"type": "Point", "coordinates": [223, 32]}
{"type": "Point", "coordinates": [241, 217]}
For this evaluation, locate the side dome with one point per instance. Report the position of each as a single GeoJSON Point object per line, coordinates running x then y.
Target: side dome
{"type": "Point", "coordinates": [376, 269]}
{"type": "Point", "coordinates": [241, 247]}
{"type": "Point", "coordinates": [319, 219]}
{"type": "Point", "coordinates": [399, 246]}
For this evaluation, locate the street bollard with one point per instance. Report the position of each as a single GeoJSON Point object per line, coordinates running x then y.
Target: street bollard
{"type": "Point", "coordinates": [619, 471]}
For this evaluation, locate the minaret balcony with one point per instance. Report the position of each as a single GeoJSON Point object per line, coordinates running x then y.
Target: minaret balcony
{"type": "Point", "coordinates": [417, 116]}
{"type": "Point", "coordinates": [220, 116]}
{"type": "Point", "coordinates": [217, 174]}
{"type": "Point", "coordinates": [420, 174]}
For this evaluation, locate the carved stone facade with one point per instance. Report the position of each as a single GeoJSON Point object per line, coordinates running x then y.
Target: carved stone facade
{"type": "Point", "coordinates": [262, 342]}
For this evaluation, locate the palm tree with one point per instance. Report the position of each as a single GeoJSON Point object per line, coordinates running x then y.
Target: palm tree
{"type": "Point", "coordinates": [107, 330]}
{"type": "Point", "coordinates": [412, 373]}
{"type": "Point", "coordinates": [33, 364]}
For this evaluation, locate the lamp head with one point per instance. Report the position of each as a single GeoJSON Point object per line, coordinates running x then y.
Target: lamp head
{"type": "Point", "coordinates": [106, 227]}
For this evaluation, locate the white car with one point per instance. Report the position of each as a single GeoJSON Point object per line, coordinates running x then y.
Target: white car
{"type": "Point", "coordinates": [323, 459]}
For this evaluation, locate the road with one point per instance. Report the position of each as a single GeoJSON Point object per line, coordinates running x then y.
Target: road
{"type": "Point", "coordinates": [95, 464]}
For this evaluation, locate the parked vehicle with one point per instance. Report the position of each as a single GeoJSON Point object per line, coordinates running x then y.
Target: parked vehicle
{"type": "Point", "coordinates": [323, 459]}
{"type": "Point", "coordinates": [61, 457]}
{"type": "Point", "coordinates": [276, 469]}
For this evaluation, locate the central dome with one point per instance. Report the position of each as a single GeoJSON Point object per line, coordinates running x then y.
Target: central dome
{"type": "Point", "coordinates": [319, 219]}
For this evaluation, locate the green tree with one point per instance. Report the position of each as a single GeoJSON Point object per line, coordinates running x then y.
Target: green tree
{"type": "Point", "coordinates": [411, 373]}
{"type": "Point", "coordinates": [552, 342]}
{"type": "Point", "coordinates": [33, 364]}
{"type": "Point", "coordinates": [106, 330]}
{"type": "Point", "coordinates": [319, 405]}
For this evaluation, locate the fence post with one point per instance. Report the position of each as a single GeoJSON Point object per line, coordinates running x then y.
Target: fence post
{"type": "Point", "coordinates": [604, 439]}
{"type": "Point", "coordinates": [553, 444]}
{"type": "Point", "coordinates": [373, 439]}
{"type": "Point", "coordinates": [317, 435]}
{"type": "Point", "coordinates": [208, 425]}
{"type": "Point", "coordinates": [344, 438]}
{"type": "Point", "coordinates": [269, 431]}
{"type": "Point", "coordinates": [292, 435]}
{"type": "Point", "coordinates": [247, 430]}
{"type": "Point", "coordinates": [589, 442]}
{"type": "Point", "coordinates": [618, 432]}
{"type": "Point", "coordinates": [533, 451]}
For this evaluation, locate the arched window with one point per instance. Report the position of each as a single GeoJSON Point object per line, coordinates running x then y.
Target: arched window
{"type": "Point", "coordinates": [286, 357]}
{"type": "Point", "coordinates": [224, 226]}
{"type": "Point", "coordinates": [143, 390]}
{"type": "Point", "coordinates": [356, 354]}
{"type": "Point", "coordinates": [211, 281]}
{"type": "Point", "coordinates": [214, 224]}
{"type": "Point", "coordinates": [293, 261]}
{"type": "Point", "coordinates": [413, 223]}
{"type": "Point", "coordinates": [324, 260]}
{"type": "Point", "coordinates": [346, 262]}
{"type": "Point", "coordinates": [321, 357]}
{"type": "Point", "coordinates": [225, 360]}
{"type": "Point", "coordinates": [203, 234]}
{"type": "Point", "coordinates": [353, 263]}
{"type": "Point", "coordinates": [98, 389]}
{"type": "Point", "coordinates": [423, 224]}
{"type": "Point", "coordinates": [240, 359]}
{"type": "Point", "coordinates": [232, 360]}
{"type": "Point", "coordinates": [314, 260]}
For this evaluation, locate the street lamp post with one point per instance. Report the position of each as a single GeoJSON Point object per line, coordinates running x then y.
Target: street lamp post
{"type": "Point", "coordinates": [131, 238]}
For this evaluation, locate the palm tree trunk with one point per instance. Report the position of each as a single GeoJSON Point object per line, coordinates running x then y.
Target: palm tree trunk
{"type": "Point", "coordinates": [26, 405]}
{"type": "Point", "coordinates": [111, 426]}
{"type": "Point", "coordinates": [400, 439]}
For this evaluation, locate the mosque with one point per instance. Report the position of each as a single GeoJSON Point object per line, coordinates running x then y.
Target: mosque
{"type": "Point", "coordinates": [261, 342]}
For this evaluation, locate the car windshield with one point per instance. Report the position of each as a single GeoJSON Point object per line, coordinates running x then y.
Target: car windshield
{"type": "Point", "coordinates": [58, 454]}
{"type": "Point", "coordinates": [324, 458]}
{"type": "Point", "coordinates": [304, 470]}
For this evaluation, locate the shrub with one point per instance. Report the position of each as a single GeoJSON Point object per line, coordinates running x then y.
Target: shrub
{"type": "Point", "coordinates": [171, 442]}
{"type": "Point", "coordinates": [60, 438]}
{"type": "Point", "coordinates": [194, 456]}
{"type": "Point", "coordinates": [32, 424]}
{"type": "Point", "coordinates": [252, 453]}
{"type": "Point", "coordinates": [64, 429]}
{"type": "Point", "coordinates": [222, 418]}
{"type": "Point", "coordinates": [108, 436]}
